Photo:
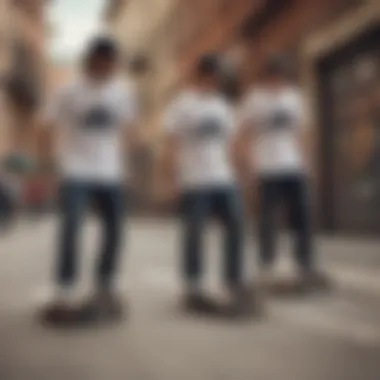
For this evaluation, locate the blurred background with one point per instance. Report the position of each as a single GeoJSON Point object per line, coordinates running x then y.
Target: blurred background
{"type": "Point", "coordinates": [334, 44]}
{"type": "Point", "coordinates": [335, 47]}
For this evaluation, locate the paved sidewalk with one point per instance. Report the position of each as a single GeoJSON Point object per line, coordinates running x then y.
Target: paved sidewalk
{"type": "Point", "coordinates": [332, 337]}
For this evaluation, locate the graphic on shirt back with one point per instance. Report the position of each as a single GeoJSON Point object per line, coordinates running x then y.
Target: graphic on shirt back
{"type": "Point", "coordinates": [281, 119]}
{"type": "Point", "coordinates": [210, 128]}
{"type": "Point", "coordinates": [98, 118]}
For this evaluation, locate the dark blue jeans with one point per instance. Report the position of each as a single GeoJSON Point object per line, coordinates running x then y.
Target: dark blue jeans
{"type": "Point", "coordinates": [197, 206]}
{"type": "Point", "coordinates": [291, 191]}
{"type": "Point", "coordinates": [108, 201]}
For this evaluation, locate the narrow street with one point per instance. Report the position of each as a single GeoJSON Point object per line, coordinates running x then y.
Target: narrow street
{"type": "Point", "coordinates": [190, 82]}
{"type": "Point", "coordinates": [330, 337]}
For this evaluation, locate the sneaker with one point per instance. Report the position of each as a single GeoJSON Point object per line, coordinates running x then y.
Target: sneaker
{"type": "Point", "coordinates": [279, 285]}
{"type": "Point", "coordinates": [245, 302]}
{"type": "Point", "coordinates": [200, 303]}
{"type": "Point", "coordinates": [58, 313]}
{"type": "Point", "coordinates": [315, 281]}
{"type": "Point", "coordinates": [265, 278]}
{"type": "Point", "coordinates": [103, 306]}
{"type": "Point", "coordinates": [61, 306]}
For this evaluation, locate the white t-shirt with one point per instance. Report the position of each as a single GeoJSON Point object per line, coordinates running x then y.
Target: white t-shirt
{"type": "Point", "coordinates": [276, 116]}
{"type": "Point", "coordinates": [204, 124]}
{"type": "Point", "coordinates": [92, 117]}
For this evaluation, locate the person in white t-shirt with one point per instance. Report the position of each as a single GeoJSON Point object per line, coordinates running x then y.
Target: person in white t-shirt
{"type": "Point", "coordinates": [274, 122]}
{"type": "Point", "coordinates": [93, 116]}
{"type": "Point", "coordinates": [200, 126]}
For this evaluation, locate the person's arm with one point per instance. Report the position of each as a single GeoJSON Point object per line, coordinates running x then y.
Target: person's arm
{"type": "Point", "coordinates": [47, 130]}
{"type": "Point", "coordinates": [130, 117]}
{"type": "Point", "coordinates": [18, 146]}
{"type": "Point", "coordinates": [46, 141]}
{"type": "Point", "coordinates": [4, 128]}
{"type": "Point", "coordinates": [306, 146]}
{"type": "Point", "coordinates": [244, 141]}
{"type": "Point", "coordinates": [169, 157]}
{"type": "Point", "coordinates": [242, 149]}
{"type": "Point", "coordinates": [305, 137]}
{"type": "Point", "coordinates": [132, 136]}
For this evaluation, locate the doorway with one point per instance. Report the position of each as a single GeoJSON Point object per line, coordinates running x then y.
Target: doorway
{"type": "Point", "coordinates": [349, 90]}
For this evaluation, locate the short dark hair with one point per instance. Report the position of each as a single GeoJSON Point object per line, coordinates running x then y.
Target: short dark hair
{"type": "Point", "coordinates": [279, 64]}
{"type": "Point", "coordinates": [102, 47]}
{"type": "Point", "coordinates": [208, 64]}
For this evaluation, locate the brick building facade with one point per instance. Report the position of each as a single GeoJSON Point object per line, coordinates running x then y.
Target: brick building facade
{"type": "Point", "coordinates": [4, 65]}
{"type": "Point", "coordinates": [146, 32]}
{"type": "Point", "coordinates": [24, 73]}
{"type": "Point", "coordinates": [333, 43]}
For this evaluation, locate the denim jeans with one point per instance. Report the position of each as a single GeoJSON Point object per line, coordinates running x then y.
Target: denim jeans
{"type": "Point", "coordinates": [292, 191]}
{"type": "Point", "coordinates": [197, 206]}
{"type": "Point", "coordinates": [108, 201]}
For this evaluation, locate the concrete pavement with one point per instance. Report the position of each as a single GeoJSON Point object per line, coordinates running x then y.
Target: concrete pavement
{"type": "Point", "coordinates": [329, 337]}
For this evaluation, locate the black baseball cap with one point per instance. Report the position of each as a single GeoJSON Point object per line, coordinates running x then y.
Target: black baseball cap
{"type": "Point", "coordinates": [103, 47]}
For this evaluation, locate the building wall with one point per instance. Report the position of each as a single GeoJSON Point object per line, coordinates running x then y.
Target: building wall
{"type": "Point", "coordinates": [288, 32]}
{"type": "Point", "coordinates": [326, 43]}
{"type": "Point", "coordinates": [29, 28]}
{"type": "Point", "coordinates": [147, 30]}
{"type": "Point", "coordinates": [223, 26]}
{"type": "Point", "coordinates": [4, 34]}
{"type": "Point", "coordinates": [209, 26]}
{"type": "Point", "coordinates": [244, 32]}
{"type": "Point", "coordinates": [26, 66]}
{"type": "Point", "coordinates": [4, 62]}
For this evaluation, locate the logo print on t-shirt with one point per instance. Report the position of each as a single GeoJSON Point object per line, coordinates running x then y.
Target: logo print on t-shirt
{"type": "Point", "coordinates": [98, 118]}
{"type": "Point", "coordinates": [210, 128]}
{"type": "Point", "coordinates": [281, 119]}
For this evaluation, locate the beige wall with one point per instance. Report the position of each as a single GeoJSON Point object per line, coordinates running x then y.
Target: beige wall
{"type": "Point", "coordinates": [4, 64]}
{"type": "Point", "coordinates": [29, 25]}
{"type": "Point", "coordinates": [25, 23]}
{"type": "Point", "coordinates": [139, 20]}
{"type": "Point", "coordinates": [4, 34]}
{"type": "Point", "coordinates": [148, 28]}
{"type": "Point", "coordinates": [326, 40]}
